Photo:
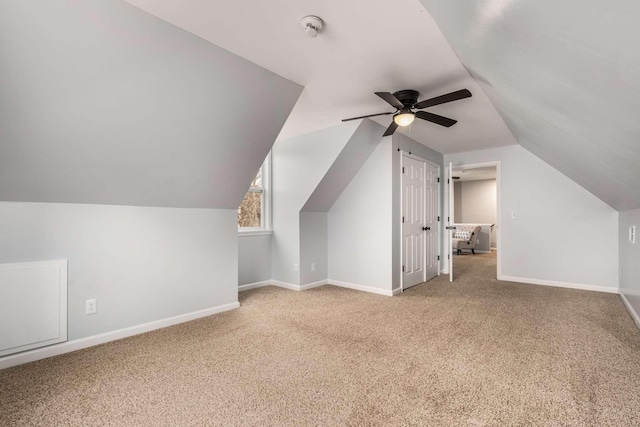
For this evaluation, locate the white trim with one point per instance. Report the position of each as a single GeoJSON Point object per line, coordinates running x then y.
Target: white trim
{"type": "Point", "coordinates": [285, 285]}
{"type": "Point", "coordinates": [266, 192]}
{"type": "Point", "coordinates": [632, 312]}
{"type": "Point", "coordinates": [69, 346]}
{"type": "Point", "coordinates": [362, 288]}
{"type": "Point", "coordinates": [255, 285]}
{"type": "Point", "coordinates": [253, 232]}
{"type": "Point", "coordinates": [313, 285]}
{"type": "Point", "coordinates": [559, 284]}
{"type": "Point", "coordinates": [319, 283]}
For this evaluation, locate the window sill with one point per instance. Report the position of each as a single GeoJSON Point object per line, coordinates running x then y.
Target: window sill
{"type": "Point", "coordinates": [254, 232]}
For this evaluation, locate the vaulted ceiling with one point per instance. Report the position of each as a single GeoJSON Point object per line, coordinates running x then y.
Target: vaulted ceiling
{"type": "Point", "coordinates": [560, 78]}
{"type": "Point", "coordinates": [103, 103]}
{"type": "Point", "coordinates": [565, 76]}
{"type": "Point", "coordinates": [365, 46]}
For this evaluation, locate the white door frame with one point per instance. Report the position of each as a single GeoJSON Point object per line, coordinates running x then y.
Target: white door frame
{"type": "Point", "coordinates": [495, 163]}
{"type": "Point", "coordinates": [439, 245]}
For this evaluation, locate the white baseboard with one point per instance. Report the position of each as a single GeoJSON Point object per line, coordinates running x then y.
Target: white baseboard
{"type": "Point", "coordinates": [313, 285]}
{"type": "Point", "coordinates": [304, 287]}
{"type": "Point", "coordinates": [69, 346]}
{"type": "Point", "coordinates": [280, 284]}
{"type": "Point", "coordinates": [363, 288]}
{"type": "Point", "coordinates": [285, 285]}
{"type": "Point", "coordinates": [254, 285]}
{"type": "Point", "coordinates": [630, 308]}
{"type": "Point", "coordinates": [559, 284]}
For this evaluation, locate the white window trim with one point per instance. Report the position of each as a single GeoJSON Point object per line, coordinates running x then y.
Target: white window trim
{"type": "Point", "coordinates": [253, 231]}
{"type": "Point", "coordinates": [266, 204]}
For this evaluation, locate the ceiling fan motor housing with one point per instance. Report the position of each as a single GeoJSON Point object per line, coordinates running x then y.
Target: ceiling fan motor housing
{"type": "Point", "coordinates": [407, 97]}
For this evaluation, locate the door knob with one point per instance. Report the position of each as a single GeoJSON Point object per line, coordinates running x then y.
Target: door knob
{"type": "Point", "coordinates": [426, 228]}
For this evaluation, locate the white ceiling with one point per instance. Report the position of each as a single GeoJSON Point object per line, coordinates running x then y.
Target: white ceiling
{"type": "Point", "coordinates": [366, 46]}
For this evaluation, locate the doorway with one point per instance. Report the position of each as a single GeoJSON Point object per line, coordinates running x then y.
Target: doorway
{"type": "Point", "coordinates": [420, 231]}
{"type": "Point", "coordinates": [474, 204]}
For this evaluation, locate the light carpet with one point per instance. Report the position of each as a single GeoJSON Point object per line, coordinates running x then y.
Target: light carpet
{"type": "Point", "coordinates": [472, 353]}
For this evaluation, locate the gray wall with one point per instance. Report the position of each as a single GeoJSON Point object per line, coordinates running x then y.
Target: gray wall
{"type": "Point", "coordinates": [476, 203]}
{"type": "Point", "coordinates": [140, 263]}
{"type": "Point", "coordinates": [299, 164]}
{"type": "Point", "coordinates": [103, 103]}
{"type": "Point", "coordinates": [254, 259]}
{"type": "Point", "coordinates": [457, 202]}
{"type": "Point", "coordinates": [360, 225]}
{"type": "Point", "coordinates": [313, 247]}
{"type": "Point", "coordinates": [630, 261]}
{"type": "Point", "coordinates": [560, 233]}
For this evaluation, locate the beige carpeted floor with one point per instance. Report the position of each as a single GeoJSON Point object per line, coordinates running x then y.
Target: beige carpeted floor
{"type": "Point", "coordinates": [475, 352]}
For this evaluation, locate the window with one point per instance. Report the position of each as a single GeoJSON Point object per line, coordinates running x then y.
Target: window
{"type": "Point", "coordinates": [254, 211]}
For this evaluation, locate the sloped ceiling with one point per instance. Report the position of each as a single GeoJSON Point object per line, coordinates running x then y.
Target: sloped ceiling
{"type": "Point", "coordinates": [365, 46]}
{"type": "Point", "coordinates": [565, 76]}
{"type": "Point", "coordinates": [103, 103]}
{"type": "Point", "coordinates": [345, 167]}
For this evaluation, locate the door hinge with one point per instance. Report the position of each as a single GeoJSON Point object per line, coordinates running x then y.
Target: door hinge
{"type": "Point", "coordinates": [402, 219]}
{"type": "Point", "coordinates": [438, 179]}
{"type": "Point", "coordinates": [448, 219]}
{"type": "Point", "coordinates": [448, 181]}
{"type": "Point", "coordinates": [448, 256]}
{"type": "Point", "coordinates": [438, 257]}
{"type": "Point", "coordinates": [438, 219]}
{"type": "Point", "coordinates": [403, 169]}
{"type": "Point", "coordinates": [403, 268]}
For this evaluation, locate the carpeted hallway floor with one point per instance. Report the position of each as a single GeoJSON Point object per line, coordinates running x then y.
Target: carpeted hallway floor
{"type": "Point", "coordinates": [472, 353]}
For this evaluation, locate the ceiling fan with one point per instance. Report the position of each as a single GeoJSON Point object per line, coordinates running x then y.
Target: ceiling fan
{"type": "Point", "coordinates": [405, 101]}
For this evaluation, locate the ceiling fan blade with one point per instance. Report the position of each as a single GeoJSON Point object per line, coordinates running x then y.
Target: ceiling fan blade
{"type": "Point", "coordinates": [442, 99]}
{"type": "Point", "coordinates": [364, 117]}
{"type": "Point", "coordinates": [434, 118]}
{"type": "Point", "coordinates": [391, 99]}
{"type": "Point", "coordinates": [391, 129]}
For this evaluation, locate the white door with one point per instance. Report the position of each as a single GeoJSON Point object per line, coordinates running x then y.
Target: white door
{"type": "Point", "coordinates": [432, 265]}
{"type": "Point", "coordinates": [450, 226]}
{"type": "Point", "coordinates": [413, 217]}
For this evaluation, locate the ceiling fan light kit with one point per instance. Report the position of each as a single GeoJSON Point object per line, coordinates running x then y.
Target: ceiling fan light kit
{"type": "Point", "coordinates": [311, 25]}
{"type": "Point", "coordinates": [406, 101]}
{"type": "Point", "coordinates": [404, 118]}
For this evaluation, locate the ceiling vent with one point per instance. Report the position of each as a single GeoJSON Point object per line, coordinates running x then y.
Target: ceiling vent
{"type": "Point", "coordinates": [311, 25]}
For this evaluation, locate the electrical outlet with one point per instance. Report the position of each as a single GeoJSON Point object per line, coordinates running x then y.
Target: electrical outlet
{"type": "Point", "coordinates": [91, 306]}
{"type": "Point", "coordinates": [295, 268]}
{"type": "Point", "coordinates": [313, 266]}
